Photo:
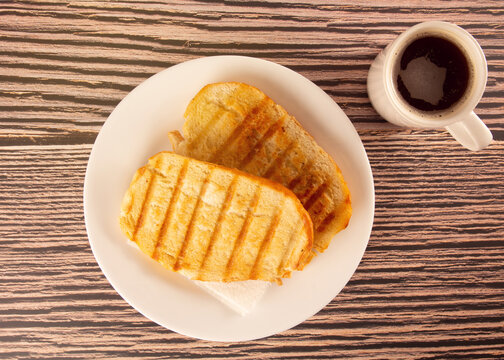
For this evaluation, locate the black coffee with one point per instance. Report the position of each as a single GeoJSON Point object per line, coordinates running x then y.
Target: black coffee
{"type": "Point", "coordinates": [423, 65]}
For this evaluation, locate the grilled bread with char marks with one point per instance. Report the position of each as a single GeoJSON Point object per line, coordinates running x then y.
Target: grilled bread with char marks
{"type": "Point", "coordinates": [212, 223]}
{"type": "Point", "coordinates": [238, 126]}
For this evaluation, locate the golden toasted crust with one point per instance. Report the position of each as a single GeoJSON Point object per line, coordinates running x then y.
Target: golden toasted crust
{"type": "Point", "coordinates": [213, 223]}
{"type": "Point", "coordinates": [238, 126]}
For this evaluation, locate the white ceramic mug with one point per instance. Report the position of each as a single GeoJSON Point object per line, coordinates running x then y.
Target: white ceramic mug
{"type": "Point", "coordinates": [460, 120]}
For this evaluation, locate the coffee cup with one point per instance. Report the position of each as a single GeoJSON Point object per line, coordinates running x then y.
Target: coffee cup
{"type": "Point", "coordinates": [432, 76]}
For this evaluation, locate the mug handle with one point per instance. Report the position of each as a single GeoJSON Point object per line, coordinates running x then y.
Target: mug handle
{"type": "Point", "coordinates": [471, 132]}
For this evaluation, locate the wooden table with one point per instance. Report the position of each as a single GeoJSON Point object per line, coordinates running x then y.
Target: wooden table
{"type": "Point", "coordinates": [431, 283]}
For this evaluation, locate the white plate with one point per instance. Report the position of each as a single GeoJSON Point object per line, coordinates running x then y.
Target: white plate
{"type": "Point", "coordinates": [137, 129]}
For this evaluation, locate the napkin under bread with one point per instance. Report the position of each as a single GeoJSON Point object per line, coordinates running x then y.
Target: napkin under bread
{"type": "Point", "coordinates": [240, 296]}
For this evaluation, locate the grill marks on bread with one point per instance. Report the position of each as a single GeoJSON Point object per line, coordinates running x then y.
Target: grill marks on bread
{"type": "Point", "coordinates": [216, 232]}
{"type": "Point", "coordinates": [169, 210]}
{"type": "Point", "coordinates": [213, 223]}
{"type": "Point", "coordinates": [238, 126]}
{"type": "Point", "coordinates": [239, 134]}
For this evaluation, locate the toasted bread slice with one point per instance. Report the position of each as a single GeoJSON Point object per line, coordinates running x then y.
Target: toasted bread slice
{"type": "Point", "coordinates": [238, 126]}
{"type": "Point", "coordinates": [212, 223]}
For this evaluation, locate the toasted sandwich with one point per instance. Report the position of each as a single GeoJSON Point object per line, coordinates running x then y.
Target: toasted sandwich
{"type": "Point", "coordinates": [236, 125]}
{"type": "Point", "coordinates": [212, 223]}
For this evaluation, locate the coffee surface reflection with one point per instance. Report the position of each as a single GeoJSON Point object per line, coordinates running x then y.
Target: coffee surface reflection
{"type": "Point", "coordinates": [433, 74]}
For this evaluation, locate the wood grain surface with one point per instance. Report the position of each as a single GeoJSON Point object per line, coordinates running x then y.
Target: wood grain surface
{"type": "Point", "coordinates": [431, 283]}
